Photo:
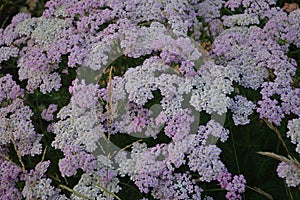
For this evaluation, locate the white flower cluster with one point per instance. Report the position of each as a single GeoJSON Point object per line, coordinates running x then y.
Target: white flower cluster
{"type": "Point", "coordinates": [143, 40]}
{"type": "Point", "coordinates": [240, 20]}
{"type": "Point", "coordinates": [139, 88]}
{"type": "Point", "coordinates": [179, 14]}
{"type": "Point", "coordinates": [43, 190]}
{"type": "Point", "coordinates": [100, 184]}
{"type": "Point", "coordinates": [42, 30]}
{"type": "Point", "coordinates": [214, 84]}
{"type": "Point", "coordinates": [127, 163]}
{"type": "Point", "coordinates": [138, 41]}
{"type": "Point", "coordinates": [80, 121]}
{"type": "Point", "coordinates": [233, 50]}
{"type": "Point", "coordinates": [294, 132]}
{"type": "Point", "coordinates": [98, 55]}
{"type": "Point", "coordinates": [8, 52]}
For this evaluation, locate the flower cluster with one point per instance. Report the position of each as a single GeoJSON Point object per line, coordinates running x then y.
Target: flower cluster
{"type": "Point", "coordinates": [16, 126]}
{"type": "Point", "coordinates": [101, 183]}
{"type": "Point", "coordinates": [80, 121]}
{"type": "Point", "coordinates": [9, 177]}
{"type": "Point", "coordinates": [234, 186]}
{"type": "Point", "coordinates": [47, 114]}
{"type": "Point", "coordinates": [241, 109]}
{"type": "Point", "coordinates": [152, 171]}
{"type": "Point", "coordinates": [290, 173]}
{"type": "Point", "coordinates": [294, 132]}
{"type": "Point", "coordinates": [156, 98]}
{"type": "Point", "coordinates": [255, 43]}
{"type": "Point", "coordinates": [256, 55]}
{"type": "Point", "coordinates": [152, 168]}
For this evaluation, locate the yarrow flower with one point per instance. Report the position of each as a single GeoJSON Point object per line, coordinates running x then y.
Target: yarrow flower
{"type": "Point", "coordinates": [206, 161]}
{"type": "Point", "coordinates": [8, 52]}
{"type": "Point", "coordinates": [16, 125]}
{"type": "Point", "coordinates": [290, 173]}
{"type": "Point", "coordinates": [80, 121]}
{"type": "Point", "coordinates": [47, 114]}
{"type": "Point", "coordinates": [294, 132]}
{"type": "Point", "coordinates": [234, 186]}
{"type": "Point", "coordinates": [210, 132]}
{"type": "Point", "coordinates": [214, 83]}
{"type": "Point", "coordinates": [102, 182]}
{"type": "Point", "coordinates": [155, 100]}
{"type": "Point", "coordinates": [9, 173]}
{"type": "Point", "coordinates": [241, 109]}
{"type": "Point", "coordinates": [75, 158]}
{"type": "Point", "coordinates": [241, 20]}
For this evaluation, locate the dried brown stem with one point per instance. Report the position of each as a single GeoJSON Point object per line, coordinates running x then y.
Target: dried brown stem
{"type": "Point", "coordinates": [281, 158]}
{"type": "Point", "coordinates": [74, 192]}
{"type": "Point", "coordinates": [260, 191]}
{"type": "Point", "coordinates": [271, 126]}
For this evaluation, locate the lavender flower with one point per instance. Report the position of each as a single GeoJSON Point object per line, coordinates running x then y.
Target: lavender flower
{"type": "Point", "coordinates": [47, 114]}
{"type": "Point", "coordinates": [177, 186]}
{"type": "Point", "coordinates": [210, 10]}
{"type": "Point", "coordinates": [179, 125]}
{"type": "Point", "coordinates": [259, 7]}
{"type": "Point", "coordinates": [92, 34]}
{"type": "Point", "coordinates": [80, 119]}
{"type": "Point", "coordinates": [291, 101]}
{"type": "Point", "coordinates": [233, 4]}
{"type": "Point", "coordinates": [206, 161]}
{"type": "Point", "coordinates": [9, 34]}
{"type": "Point", "coordinates": [177, 152]}
{"type": "Point", "coordinates": [234, 186]}
{"type": "Point", "coordinates": [96, 184]}
{"type": "Point", "coordinates": [293, 32]}
{"type": "Point", "coordinates": [241, 109]}
{"type": "Point", "coordinates": [134, 120]}
{"type": "Point", "coordinates": [16, 125]}
{"type": "Point", "coordinates": [75, 158]}
{"type": "Point", "coordinates": [210, 132]}
{"type": "Point", "coordinates": [290, 173]}
{"type": "Point", "coordinates": [270, 110]}
{"type": "Point", "coordinates": [9, 173]}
